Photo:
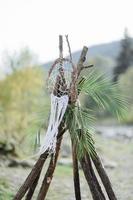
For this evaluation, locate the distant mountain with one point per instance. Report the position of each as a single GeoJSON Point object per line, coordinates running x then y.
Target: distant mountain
{"type": "Point", "coordinates": [109, 50]}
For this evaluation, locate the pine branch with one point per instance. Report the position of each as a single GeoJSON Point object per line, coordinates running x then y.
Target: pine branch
{"type": "Point", "coordinates": [105, 94]}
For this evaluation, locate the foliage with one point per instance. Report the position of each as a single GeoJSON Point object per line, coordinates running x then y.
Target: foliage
{"type": "Point", "coordinates": [126, 85]}
{"type": "Point", "coordinates": [102, 63]}
{"type": "Point", "coordinates": [104, 93]}
{"type": "Point", "coordinates": [21, 93]}
{"type": "Point", "coordinates": [5, 191]}
{"type": "Point", "coordinates": [80, 121]}
{"type": "Point", "coordinates": [17, 60]}
{"type": "Point", "coordinates": [125, 58]}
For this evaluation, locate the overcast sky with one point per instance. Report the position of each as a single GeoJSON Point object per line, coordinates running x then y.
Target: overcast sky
{"type": "Point", "coordinates": [37, 23]}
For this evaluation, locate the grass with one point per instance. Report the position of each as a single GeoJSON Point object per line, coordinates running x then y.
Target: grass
{"type": "Point", "coordinates": [5, 191]}
{"type": "Point", "coordinates": [114, 149]}
{"type": "Point", "coordinates": [63, 171]}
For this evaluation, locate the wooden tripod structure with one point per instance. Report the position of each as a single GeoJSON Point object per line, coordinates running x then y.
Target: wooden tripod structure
{"type": "Point", "coordinates": [28, 188]}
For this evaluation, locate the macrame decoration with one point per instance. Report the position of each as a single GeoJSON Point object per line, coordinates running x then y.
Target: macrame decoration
{"type": "Point", "coordinates": [58, 108]}
{"type": "Point", "coordinates": [58, 83]}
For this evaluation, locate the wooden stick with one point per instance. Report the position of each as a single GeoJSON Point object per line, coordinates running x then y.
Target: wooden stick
{"type": "Point", "coordinates": [60, 46]}
{"type": "Point", "coordinates": [94, 190]}
{"type": "Point", "coordinates": [36, 169]}
{"type": "Point", "coordinates": [31, 177]}
{"type": "Point", "coordinates": [82, 59]}
{"type": "Point", "coordinates": [94, 176]}
{"type": "Point", "coordinates": [32, 188]}
{"type": "Point", "coordinates": [104, 177]}
{"type": "Point", "coordinates": [76, 173]}
{"type": "Point", "coordinates": [88, 66]}
{"type": "Point", "coordinates": [49, 174]}
{"type": "Point", "coordinates": [69, 48]}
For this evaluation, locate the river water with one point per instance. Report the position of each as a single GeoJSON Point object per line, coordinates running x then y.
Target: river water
{"type": "Point", "coordinates": [124, 131]}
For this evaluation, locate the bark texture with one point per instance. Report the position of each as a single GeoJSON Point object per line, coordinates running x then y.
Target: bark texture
{"type": "Point", "coordinates": [76, 174]}
{"type": "Point", "coordinates": [49, 174]}
{"type": "Point", "coordinates": [104, 177]}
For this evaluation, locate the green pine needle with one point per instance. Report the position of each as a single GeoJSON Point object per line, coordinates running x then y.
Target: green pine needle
{"type": "Point", "coordinates": [105, 94]}
{"type": "Point", "coordinates": [80, 124]}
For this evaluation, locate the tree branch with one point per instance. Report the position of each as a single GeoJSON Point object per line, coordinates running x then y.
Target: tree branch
{"type": "Point", "coordinates": [93, 188]}
{"type": "Point", "coordinates": [76, 173]}
{"type": "Point", "coordinates": [49, 174]}
{"type": "Point", "coordinates": [32, 188]}
{"type": "Point", "coordinates": [31, 177]}
{"type": "Point", "coordinates": [89, 66]}
{"type": "Point", "coordinates": [82, 59]}
{"type": "Point", "coordinates": [104, 177]}
{"type": "Point", "coordinates": [94, 177]}
{"type": "Point", "coordinates": [69, 48]}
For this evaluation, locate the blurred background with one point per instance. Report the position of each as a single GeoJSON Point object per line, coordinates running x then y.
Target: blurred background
{"type": "Point", "coordinates": [28, 45]}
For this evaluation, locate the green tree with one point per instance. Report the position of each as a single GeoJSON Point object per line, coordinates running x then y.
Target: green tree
{"type": "Point", "coordinates": [103, 64]}
{"type": "Point", "coordinates": [21, 93]}
{"type": "Point", "coordinates": [125, 58]}
{"type": "Point", "coordinates": [126, 85]}
{"type": "Point", "coordinates": [17, 60]}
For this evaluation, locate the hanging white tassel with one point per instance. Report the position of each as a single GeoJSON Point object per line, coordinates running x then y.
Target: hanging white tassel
{"type": "Point", "coordinates": [58, 108]}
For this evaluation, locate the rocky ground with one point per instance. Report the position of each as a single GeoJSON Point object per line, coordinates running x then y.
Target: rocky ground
{"type": "Point", "coordinates": [117, 156]}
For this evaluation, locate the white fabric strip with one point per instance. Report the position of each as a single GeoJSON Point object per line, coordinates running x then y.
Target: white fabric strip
{"type": "Point", "coordinates": [58, 108]}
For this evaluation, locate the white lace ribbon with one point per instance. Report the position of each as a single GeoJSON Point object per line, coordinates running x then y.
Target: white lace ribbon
{"type": "Point", "coordinates": [58, 108]}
